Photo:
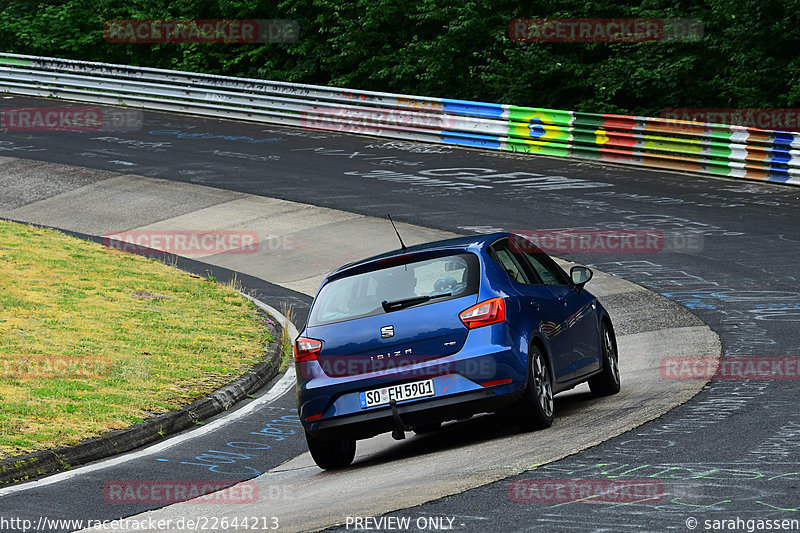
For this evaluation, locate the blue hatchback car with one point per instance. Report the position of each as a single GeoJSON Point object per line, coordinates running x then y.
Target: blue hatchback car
{"type": "Point", "coordinates": [441, 331]}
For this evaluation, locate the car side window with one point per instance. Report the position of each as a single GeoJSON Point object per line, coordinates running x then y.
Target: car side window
{"type": "Point", "coordinates": [549, 272]}
{"type": "Point", "coordinates": [509, 261]}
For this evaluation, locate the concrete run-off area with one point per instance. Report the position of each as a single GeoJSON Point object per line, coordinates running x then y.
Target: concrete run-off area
{"type": "Point", "coordinates": [387, 475]}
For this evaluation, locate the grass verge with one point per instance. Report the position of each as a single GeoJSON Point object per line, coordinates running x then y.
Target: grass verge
{"type": "Point", "coordinates": [93, 339]}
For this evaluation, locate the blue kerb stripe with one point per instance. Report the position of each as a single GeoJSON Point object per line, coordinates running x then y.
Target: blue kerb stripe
{"type": "Point", "coordinates": [784, 137]}
{"type": "Point", "coordinates": [780, 156]}
{"type": "Point", "coordinates": [780, 178]}
{"type": "Point", "coordinates": [470, 139]}
{"type": "Point", "coordinates": [778, 172]}
{"type": "Point", "coordinates": [470, 108]}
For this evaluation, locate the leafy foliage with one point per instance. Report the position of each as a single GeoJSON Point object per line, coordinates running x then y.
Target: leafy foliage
{"type": "Point", "coordinates": [456, 48]}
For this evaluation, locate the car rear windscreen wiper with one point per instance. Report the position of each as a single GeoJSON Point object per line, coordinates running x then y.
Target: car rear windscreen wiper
{"type": "Point", "coordinates": [408, 302]}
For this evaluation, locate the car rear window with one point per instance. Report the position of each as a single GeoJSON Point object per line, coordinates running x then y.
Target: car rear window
{"type": "Point", "coordinates": [362, 294]}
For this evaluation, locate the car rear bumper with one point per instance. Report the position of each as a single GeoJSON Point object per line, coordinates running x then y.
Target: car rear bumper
{"type": "Point", "coordinates": [374, 422]}
{"type": "Point", "coordinates": [483, 376]}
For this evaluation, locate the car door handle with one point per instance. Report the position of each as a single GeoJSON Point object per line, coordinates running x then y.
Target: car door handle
{"type": "Point", "coordinates": [563, 299]}
{"type": "Point", "coordinates": [536, 305]}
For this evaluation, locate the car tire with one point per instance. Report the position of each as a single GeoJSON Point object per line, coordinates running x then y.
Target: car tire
{"type": "Point", "coordinates": [331, 454]}
{"type": "Point", "coordinates": [607, 382]}
{"type": "Point", "coordinates": [536, 406]}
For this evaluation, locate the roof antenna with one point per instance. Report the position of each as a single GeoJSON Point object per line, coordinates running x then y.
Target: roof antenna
{"type": "Point", "coordinates": [402, 244]}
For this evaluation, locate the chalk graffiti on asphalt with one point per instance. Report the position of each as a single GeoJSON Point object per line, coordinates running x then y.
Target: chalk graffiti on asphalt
{"type": "Point", "coordinates": [230, 460]}
{"type": "Point", "coordinates": [181, 134]}
{"type": "Point", "coordinates": [478, 179]}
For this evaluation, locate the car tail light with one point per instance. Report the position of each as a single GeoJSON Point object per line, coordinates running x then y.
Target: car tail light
{"type": "Point", "coordinates": [482, 314]}
{"type": "Point", "coordinates": [306, 349]}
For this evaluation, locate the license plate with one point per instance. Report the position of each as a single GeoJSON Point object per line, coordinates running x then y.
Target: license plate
{"type": "Point", "coordinates": [406, 391]}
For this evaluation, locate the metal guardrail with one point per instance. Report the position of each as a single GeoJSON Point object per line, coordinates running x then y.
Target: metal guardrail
{"type": "Point", "coordinates": [716, 149]}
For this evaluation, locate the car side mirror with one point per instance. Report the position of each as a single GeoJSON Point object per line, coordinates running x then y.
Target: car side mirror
{"type": "Point", "coordinates": [580, 276]}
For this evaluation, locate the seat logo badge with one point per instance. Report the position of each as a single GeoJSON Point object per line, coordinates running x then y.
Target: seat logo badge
{"type": "Point", "coordinates": [387, 331]}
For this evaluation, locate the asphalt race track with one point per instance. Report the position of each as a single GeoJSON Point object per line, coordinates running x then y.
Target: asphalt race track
{"type": "Point", "coordinates": [731, 451]}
